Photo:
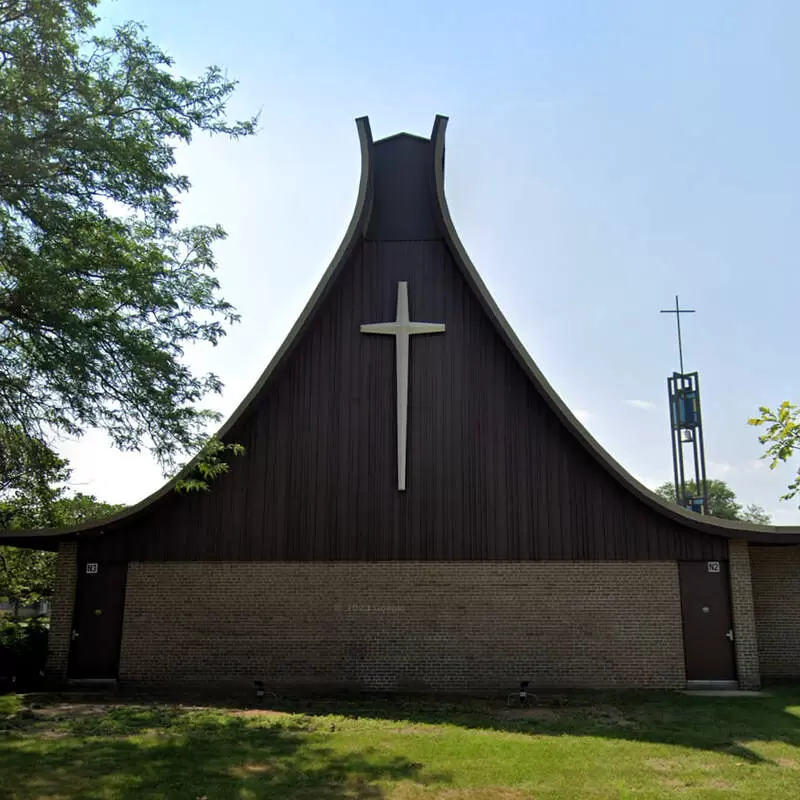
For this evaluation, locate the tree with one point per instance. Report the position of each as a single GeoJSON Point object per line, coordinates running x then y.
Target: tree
{"type": "Point", "coordinates": [30, 476]}
{"type": "Point", "coordinates": [27, 576]}
{"type": "Point", "coordinates": [100, 289]}
{"type": "Point", "coordinates": [756, 514]}
{"type": "Point", "coordinates": [33, 495]}
{"type": "Point", "coordinates": [722, 502]}
{"type": "Point", "coordinates": [782, 437]}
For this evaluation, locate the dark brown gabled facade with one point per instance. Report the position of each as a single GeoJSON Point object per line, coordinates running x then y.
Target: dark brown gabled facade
{"type": "Point", "coordinates": [518, 548]}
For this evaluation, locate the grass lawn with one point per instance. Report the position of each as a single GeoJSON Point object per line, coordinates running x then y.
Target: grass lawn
{"type": "Point", "coordinates": [579, 746]}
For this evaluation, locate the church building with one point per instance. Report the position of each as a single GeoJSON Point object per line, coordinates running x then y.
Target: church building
{"type": "Point", "coordinates": [417, 510]}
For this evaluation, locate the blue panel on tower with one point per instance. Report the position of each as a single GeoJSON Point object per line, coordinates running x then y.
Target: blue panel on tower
{"type": "Point", "coordinates": [690, 410]}
{"type": "Point", "coordinates": [696, 504]}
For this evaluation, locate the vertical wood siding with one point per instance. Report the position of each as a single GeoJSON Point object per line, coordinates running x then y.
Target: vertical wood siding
{"type": "Point", "coordinates": [492, 473]}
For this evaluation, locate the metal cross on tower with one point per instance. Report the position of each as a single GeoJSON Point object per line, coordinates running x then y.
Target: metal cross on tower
{"type": "Point", "coordinates": [677, 311]}
{"type": "Point", "coordinates": [687, 427]}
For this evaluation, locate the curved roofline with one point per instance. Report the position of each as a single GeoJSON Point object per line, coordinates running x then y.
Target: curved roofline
{"type": "Point", "coordinates": [707, 524]}
{"type": "Point", "coordinates": [768, 534]}
{"type": "Point", "coordinates": [358, 222]}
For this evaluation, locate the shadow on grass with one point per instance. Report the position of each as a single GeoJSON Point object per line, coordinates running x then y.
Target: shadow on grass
{"type": "Point", "coordinates": [133, 745]}
{"type": "Point", "coordinates": [135, 752]}
{"type": "Point", "coordinates": [718, 724]}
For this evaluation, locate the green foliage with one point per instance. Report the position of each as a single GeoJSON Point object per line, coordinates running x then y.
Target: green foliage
{"type": "Point", "coordinates": [782, 437]}
{"type": "Point", "coordinates": [722, 502]}
{"type": "Point", "coordinates": [78, 508]}
{"type": "Point", "coordinates": [31, 475]}
{"type": "Point", "coordinates": [33, 495]}
{"type": "Point", "coordinates": [755, 514]}
{"type": "Point", "coordinates": [23, 650]}
{"type": "Point", "coordinates": [210, 463]}
{"type": "Point", "coordinates": [100, 290]}
{"type": "Point", "coordinates": [26, 576]}
{"type": "Point", "coordinates": [33, 490]}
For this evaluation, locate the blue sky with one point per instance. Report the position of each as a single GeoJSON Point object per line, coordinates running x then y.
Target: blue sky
{"type": "Point", "coordinates": [601, 157]}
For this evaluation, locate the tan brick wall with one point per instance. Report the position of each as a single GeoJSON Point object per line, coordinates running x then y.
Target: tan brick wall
{"type": "Point", "coordinates": [776, 594]}
{"type": "Point", "coordinates": [405, 625]}
{"type": "Point", "coordinates": [744, 620]}
{"type": "Point", "coordinates": [61, 611]}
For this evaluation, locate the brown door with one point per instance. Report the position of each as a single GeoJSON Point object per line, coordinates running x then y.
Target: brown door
{"type": "Point", "coordinates": [97, 622]}
{"type": "Point", "coordinates": [707, 621]}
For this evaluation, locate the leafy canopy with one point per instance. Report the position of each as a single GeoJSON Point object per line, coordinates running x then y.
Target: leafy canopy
{"type": "Point", "coordinates": [208, 465]}
{"type": "Point", "coordinates": [782, 437]}
{"type": "Point", "coordinates": [30, 477]}
{"type": "Point", "coordinates": [33, 495]}
{"type": "Point", "coordinates": [755, 514]}
{"type": "Point", "coordinates": [722, 502]}
{"type": "Point", "coordinates": [100, 289]}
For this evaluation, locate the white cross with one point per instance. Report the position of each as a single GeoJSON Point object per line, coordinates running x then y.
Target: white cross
{"type": "Point", "coordinates": [402, 328]}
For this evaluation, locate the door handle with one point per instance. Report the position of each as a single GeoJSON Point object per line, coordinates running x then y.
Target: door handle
{"type": "Point", "coordinates": [75, 635]}
{"type": "Point", "coordinates": [729, 635]}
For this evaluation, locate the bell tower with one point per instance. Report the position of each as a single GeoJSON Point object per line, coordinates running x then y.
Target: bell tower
{"type": "Point", "coordinates": [686, 425]}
